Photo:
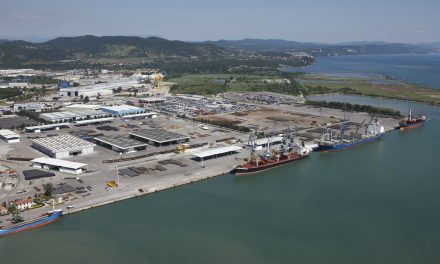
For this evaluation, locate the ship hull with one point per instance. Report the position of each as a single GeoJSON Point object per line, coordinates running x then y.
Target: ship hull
{"type": "Point", "coordinates": [31, 225]}
{"type": "Point", "coordinates": [406, 126]}
{"type": "Point", "coordinates": [344, 146]}
{"type": "Point", "coordinates": [260, 168]}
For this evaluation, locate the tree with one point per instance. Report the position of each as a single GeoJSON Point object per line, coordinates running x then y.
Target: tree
{"type": "Point", "coordinates": [12, 208]}
{"type": "Point", "coordinates": [48, 189]}
{"type": "Point", "coordinates": [86, 99]}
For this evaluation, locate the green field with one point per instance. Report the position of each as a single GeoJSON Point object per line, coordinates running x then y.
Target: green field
{"type": "Point", "coordinates": [318, 84]}
{"type": "Point", "coordinates": [211, 84]}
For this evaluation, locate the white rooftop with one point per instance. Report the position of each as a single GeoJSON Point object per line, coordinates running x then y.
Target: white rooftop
{"type": "Point", "coordinates": [59, 163]}
{"type": "Point", "coordinates": [47, 126]}
{"type": "Point", "coordinates": [62, 143]}
{"type": "Point", "coordinates": [83, 106]}
{"type": "Point", "coordinates": [8, 134]}
{"type": "Point", "coordinates": [139, 115]}
{"type": "Point", "coordinates": [91, 121]}
{"type": "Point", "coordinates": [123, 108]}
{"type": "Point", "coordinates": [263, 141]}
{"type": "Point", "coordinates": [103, 86]}
{"type": "Point", "coordinates": [216, 151]}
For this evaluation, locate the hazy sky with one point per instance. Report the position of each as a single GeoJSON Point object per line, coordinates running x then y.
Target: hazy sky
{"type": "Point", "coordinates": [308, 20]}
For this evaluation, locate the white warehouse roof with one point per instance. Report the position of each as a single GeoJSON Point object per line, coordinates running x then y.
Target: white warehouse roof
{"type": "Point", "coordinates": [8, 134]}
{"type": "Point", "coordinates": [263, 141]}
{"type": "Point", "coordinates": [59, 163]}
{"type": "Point", "coordinates": [216, 151]}
{"type": "Point", "coordinates": [92, 121]}
{"type": "Point", "coordinates": [62, 143]}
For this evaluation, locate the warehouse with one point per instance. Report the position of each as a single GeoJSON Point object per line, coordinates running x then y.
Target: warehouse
{"type": "Point", "coordinates": [261, 142]}
{"type": "Point", "coordinates": [38, 129]}
{"type": "Point", "coordinates": [216, 152]}
{"type": "Point", "coordinates": [63, 146]}
{"type": "Point", "coordinates": [9, 136]}
{"type": "Point", "coordinates": [143, 115]}
{"type": "Point", "coordinates": [94, 121]}
{"type": "Point", "coordinates": [59, 165]}
{"type": "Point", "coordinates": [122, 110]}
{"type": "Point", "coordinates": [72, 115]}
{"type": "Point", "coordinates": [159, 137]}
{"type": "Point", "coordinates": [121, 144]}
{"type": "Point", "coordinates": [94, 90]}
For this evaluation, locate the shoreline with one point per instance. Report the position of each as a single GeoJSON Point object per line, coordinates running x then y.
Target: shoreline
{"type": "Point", "coordinates": [147, 190]}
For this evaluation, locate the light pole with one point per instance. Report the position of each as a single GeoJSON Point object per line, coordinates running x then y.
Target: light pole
{"type": "Point", "coordinates": [117, 171]}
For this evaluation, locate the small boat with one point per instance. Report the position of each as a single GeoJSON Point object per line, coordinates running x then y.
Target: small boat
{"type": "Point", "coordinates": [409, 122]}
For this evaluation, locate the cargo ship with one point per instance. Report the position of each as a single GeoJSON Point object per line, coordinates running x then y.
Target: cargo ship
{"type": "Point", "coordinates": [291, 150]}
{"type": "Point", "coordinates": [409, 122]}
{"type": "Point", "coordinates": [330, 143]}
{"type": "Point", "coordinates": [19, 225]}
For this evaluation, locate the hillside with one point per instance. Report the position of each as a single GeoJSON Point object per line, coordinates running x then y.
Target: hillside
{"type": "Point", "coordinates": [319, 49]}
{"type": "Point", "coordinates": [113, 49]}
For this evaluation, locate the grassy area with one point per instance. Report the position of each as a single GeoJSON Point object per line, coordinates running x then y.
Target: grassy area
{"type": "Point", "coordinates": [210, 84]}
{"type": "Point", "coordinates": [318, 84]}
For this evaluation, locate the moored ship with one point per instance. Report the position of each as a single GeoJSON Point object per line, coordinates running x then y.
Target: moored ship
{"type": "Point", "coordinates": [329, 143]}
{"type": "Point", "coordinates": [410, 122]}
{"type": "Point", "coordinates": [291, 150]}
{"type": "Point", "coordinates": [19, 225]}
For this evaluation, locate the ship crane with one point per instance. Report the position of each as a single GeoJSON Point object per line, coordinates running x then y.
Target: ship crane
{"type": "Point", "coordinates": [369, 124]}
{"type": "Point", "coordinates": [358, 127]}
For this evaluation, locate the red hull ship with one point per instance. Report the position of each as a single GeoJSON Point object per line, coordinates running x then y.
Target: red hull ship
{"type": "Point", "coordinates": [410, 122]}
{"type": "Point", "coordinates": [291, 150]}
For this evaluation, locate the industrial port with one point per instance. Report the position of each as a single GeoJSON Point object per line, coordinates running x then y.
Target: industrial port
{"type": "Point", "coordinates": [111, 137]}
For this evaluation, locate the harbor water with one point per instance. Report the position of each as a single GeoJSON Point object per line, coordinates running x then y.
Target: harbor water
{"type": "Point", "coordinates": [376, 203]}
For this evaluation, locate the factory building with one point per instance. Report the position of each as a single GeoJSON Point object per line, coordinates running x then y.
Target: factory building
{"type": "Point", "coordinates": [9, 136]}
{"type": "Point", "coordinates": [262, 142]}
{"type": "Point", "coordinates": [94, 90]}
{"type": "Point", "coordinates": [63, 146]}
{"type": "Point", "coordinates": [216, 152]}
{"type": "Point", "coordinates": [120, 144]}
{"type": "Point", "coordinates": [158, 137]}
{"type": "Point", "coordinates": [38, 129]}
{"type": "Point", "coordinates": [72, 115]}
{"type": "Point", "coordinates": [59, 165]}
{"type": "Point", "coordinates": [37, 107]}
{"type": "Point", "coordinates": [122, 110]}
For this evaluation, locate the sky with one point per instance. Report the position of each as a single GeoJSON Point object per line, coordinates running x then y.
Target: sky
{"type": "Point", "coordinates": [331, 21]}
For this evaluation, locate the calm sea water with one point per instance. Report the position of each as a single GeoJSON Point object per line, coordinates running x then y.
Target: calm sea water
{"type": "Point", "coordinates": [423, 69]}
{"type": "Point", "coordinates": [377, 203]}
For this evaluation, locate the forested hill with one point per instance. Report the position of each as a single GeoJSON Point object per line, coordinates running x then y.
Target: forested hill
{"type": "Point", "coordinates": [94, 48]}
{"type": "Point", "coordinates": [320, 49]}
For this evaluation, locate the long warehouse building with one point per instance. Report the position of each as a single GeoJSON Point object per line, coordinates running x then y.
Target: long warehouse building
{"type": "Point", "coordinates": [63, 146]}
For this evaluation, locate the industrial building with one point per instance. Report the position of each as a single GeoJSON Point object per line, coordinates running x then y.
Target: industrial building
{"type": "Point", "coordinates": [143, 115]}
{"type": "Point", "coordinates": [159, 137]}
{"type": "Point", "coordinates": [216, 152]}
{"type": "Point", "coordinates": [261, 142]}
{"type": "Point", "coordinates": [59, 165]}
{"type": "Point", "coordinates": [94, 90]}
{"type": "Point", "coordinates": [122, 110]}
{"type": "Point", "coordinates": [9, 136]}
{"type": "Point", "coordinates": [121, 144]}
{"type": "Point", "coordinates": [63, 146]}
{"type": "Point", "coordinates": [38, 129]}
{"type": "Point", "coordinates": [93, 121]}
{"type": "Point", "coordinates": [72, 115]}
{"type": "Point", "coordinates": [37, 107]}
{"type": "Point", "coordinates": [152, 100]}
